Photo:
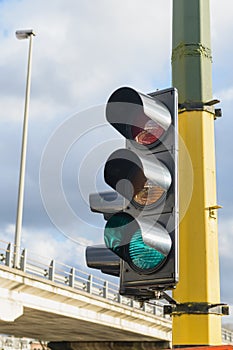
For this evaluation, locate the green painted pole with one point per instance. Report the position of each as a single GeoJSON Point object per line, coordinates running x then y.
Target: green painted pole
{"type": "Point", "coordinates": [191, 52]}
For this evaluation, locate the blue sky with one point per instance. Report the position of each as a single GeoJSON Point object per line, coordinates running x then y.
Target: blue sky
{"type": "Point", "coordinates": [83, 51]}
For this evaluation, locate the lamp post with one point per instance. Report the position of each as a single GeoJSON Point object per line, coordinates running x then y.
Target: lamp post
{"type": "Point", "coordinates": [23, 34]}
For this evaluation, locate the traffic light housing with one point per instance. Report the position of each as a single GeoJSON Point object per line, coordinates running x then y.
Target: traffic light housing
{"type": "Point", "coordinates": [143, 230]}
{"type": "Point", "coordinates": [101, 258]}
{"type": "Point", "coordinates": [144, 235]}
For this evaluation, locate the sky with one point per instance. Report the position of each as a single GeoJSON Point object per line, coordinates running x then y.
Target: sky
{"type": "Point", "coordinates": [82, 52]}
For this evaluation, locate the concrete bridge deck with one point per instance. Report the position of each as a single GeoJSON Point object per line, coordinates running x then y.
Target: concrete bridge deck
{"type": "Point", "coordinates": [54, 302]}
{"type": "Point", "coordinates": [61, 305]}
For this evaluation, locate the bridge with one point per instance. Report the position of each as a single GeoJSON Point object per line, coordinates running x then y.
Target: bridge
{"type": "Point", "coordinates": [55, 302]}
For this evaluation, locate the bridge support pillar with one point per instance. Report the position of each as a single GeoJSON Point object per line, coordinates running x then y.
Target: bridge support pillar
{"type": "Point", "coordinates": [109, 345]}
{"type": "Point", "coordinates": [10, 309]}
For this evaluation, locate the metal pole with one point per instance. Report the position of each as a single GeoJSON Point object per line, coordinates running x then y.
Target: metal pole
{"type": "Point", "coordinates": [18, 228]}
{"type": "Point", "coordinates": [199, 259]}
{"type": "Point", "coordinates": [191, 51]}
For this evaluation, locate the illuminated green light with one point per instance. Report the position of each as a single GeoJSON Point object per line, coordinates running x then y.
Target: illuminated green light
{"type": "Point", "coordinates": [123, 236]}
{"type": "Point", "coordinates": [115, 231]}
{"type": "Point", "coordinates": [143, 256]}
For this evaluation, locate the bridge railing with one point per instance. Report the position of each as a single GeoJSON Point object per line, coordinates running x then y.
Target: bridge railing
{"type": "Point", "coordinates": [80, 280]}
{"type": "Point", "coordinates": [64, 274]}
{"type": "Point", "coordinates": [227, 336]}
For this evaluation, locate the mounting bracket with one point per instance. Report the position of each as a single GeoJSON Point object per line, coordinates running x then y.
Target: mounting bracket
{"type": "Point", "coordinates": [196, 308]}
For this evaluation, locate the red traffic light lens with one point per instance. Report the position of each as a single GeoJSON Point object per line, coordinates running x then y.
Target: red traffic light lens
{"type": "Point", "coordinates": [148, 134]}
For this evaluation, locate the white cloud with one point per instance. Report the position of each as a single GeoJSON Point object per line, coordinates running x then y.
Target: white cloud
{"type": "Point", "coordinates": [45, 245]}
{"type": "Point", "coordinates": [221, 20]}
{"type": "Point", "coordinates": [226, 238]}
{"type": "Point", "coordinates": [226, 94]}
{"type": "Point", "coordinates": [82, 50]}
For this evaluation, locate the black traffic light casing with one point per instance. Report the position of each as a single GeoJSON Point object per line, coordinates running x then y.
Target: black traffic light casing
{"type": "Point", "coordinates": [106, 203]}
{"type": "Point", "coordinates": [101, 258]}
{"type": "Point", "coordinates": [146, 168]}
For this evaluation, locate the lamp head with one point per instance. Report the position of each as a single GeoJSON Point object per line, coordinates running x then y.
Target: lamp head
{"type": "Point", "coordinates": [24, 34]}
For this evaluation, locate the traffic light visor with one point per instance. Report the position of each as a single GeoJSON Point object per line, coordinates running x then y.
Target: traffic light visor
{"type": "Point", "coordinates": [125, 236]}
{"type": "Point", "coordinates": [143, 181]}
{"type": "Point", "coordinates": [138, 117]}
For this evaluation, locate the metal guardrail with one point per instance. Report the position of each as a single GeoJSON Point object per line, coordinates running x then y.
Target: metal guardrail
{"type": "Point", "coordinates": [227, 336]}
{"type": "Point", "coordinates": [80, 280]}
{"type": "Point", "coordinates": [64, 274]}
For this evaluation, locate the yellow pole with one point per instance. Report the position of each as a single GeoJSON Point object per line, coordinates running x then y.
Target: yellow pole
{"type": "Point", "coordinates": [199, 261]}
{"type": "Point", "coordinates": [198, 247]}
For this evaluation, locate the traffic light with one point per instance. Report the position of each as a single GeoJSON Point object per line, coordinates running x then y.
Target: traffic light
{"type": "Point", "coordinates": [98, 256]}
{"type": "Point", "coordinates": [142, 213]}
{"type": "Point", "coordinates": [144, 235]}
{"type": "Point", "coordinates": [101, 258]}
{"type": "Point", "coordinates": [106, 203]}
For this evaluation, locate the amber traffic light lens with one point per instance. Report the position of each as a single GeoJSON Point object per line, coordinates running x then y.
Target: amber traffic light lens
{"type": "Point", "coordinates": [149, 195]}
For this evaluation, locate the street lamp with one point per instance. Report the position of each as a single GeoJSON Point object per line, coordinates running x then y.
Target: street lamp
{"type": "Point", "coordinates": [23, 34]}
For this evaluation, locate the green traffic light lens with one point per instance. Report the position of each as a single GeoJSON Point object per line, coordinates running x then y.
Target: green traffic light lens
{"type": "Point", "coordinates": [142, 256]}
{"type": "Point", "coordinates": [115, 230]}
{"type": "Point", "coordinates": [123, 236]}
